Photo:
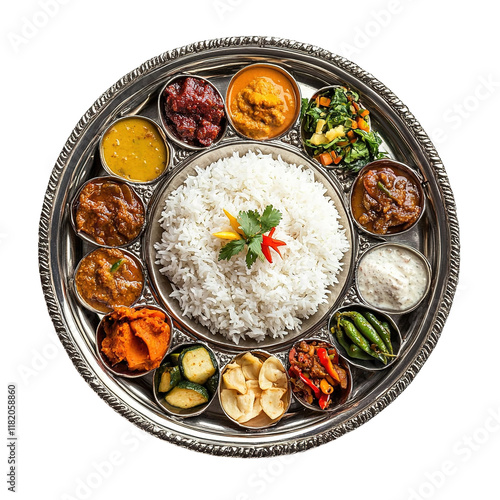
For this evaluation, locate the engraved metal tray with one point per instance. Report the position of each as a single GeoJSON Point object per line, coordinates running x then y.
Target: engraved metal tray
{"type": "Point", "coordinates": [436, 236]}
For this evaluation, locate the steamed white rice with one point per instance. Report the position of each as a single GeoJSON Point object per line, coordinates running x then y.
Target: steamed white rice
{"type": "Point", "coordinates": [267, 299]}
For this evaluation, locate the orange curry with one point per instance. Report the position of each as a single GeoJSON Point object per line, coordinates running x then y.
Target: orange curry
{"type": "Point", "coordinates": [262, 102]}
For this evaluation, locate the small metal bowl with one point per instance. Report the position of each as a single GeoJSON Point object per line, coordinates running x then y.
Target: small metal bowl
{"type": "Point", "coordinates": [121, 369]}
{"type": "Point", "coordinates": [408, 172]}
{"type": "Point", "coordinates": [74, 209]}
{"type": "Point", "coordinates": [126, 254]}
{"type": "Point", "coordinates": [182, 412]}
{"type": "Point", "coordinates": [160, 132]}
{"type": "Point", "coordinates": [374, 365]}
{"type": "Point", "coordinates": [339, 399]}
{"type": "Point", "coordinates": [307, 149]}
{"type": "Point", "coordinates": [261, 421]}
{"type": "Point", "coordinates": [167, 125]}
{"type": "Point", "coordinates": [294, 88]}
{"type": "Point", "coordinates": [393, 310]}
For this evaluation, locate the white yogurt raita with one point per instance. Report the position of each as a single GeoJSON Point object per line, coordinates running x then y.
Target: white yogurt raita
{"type": "Point", "coordinates": [392, 277]}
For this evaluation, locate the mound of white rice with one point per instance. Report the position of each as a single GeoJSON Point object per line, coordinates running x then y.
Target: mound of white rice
{"type": "Point", "coordinates": [267, 299]}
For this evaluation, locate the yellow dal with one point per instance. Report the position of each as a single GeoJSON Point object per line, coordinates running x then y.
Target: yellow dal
{"type": "Point", "coordinates": [134, 149]}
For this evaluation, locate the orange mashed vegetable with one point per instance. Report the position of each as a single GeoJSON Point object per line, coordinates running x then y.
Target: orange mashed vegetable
{"type": "Point", "coordinates": [140, 337]}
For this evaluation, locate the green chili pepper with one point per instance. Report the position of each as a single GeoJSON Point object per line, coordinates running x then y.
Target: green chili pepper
{"type": "Point", "coordinates": [340, 337]}
{"type": "Point", "coordinates": [116, 265]}
{"type": "Point", "coordinates": [355, 352]}
{"type": "Point", "coordinates": [352, 350]}
{"type": "Point", "coordinates": [383, 331]}
{"type": "Point", "coordinates": [358, 339]}
{"type": "Point", "coordinates": [366, 329]}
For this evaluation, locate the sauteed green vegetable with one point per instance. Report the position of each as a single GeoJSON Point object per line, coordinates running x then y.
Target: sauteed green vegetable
{"type": "Point", "coordinates": [337, 130]}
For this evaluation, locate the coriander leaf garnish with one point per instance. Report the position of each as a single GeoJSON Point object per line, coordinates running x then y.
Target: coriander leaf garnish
{"type": "Point", "coordinates": [270, 218]}
{"type": "Point", "coordinates": [249, 223]}
{"type": "Point", "coordinates": [255, 246]}
{"type": "Point", "coordinates": [250, 258]}
{"type": "Point", "coordinates": [251, 226]}
{"type": "Point", "coordinates": [231, 248]}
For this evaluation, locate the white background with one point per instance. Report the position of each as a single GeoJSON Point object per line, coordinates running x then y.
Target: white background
{"type": "Point", "coordinates": [440, 438]}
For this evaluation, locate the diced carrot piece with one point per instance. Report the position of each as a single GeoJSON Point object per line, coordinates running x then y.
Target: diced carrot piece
{"type": "Point", "coordinates": [363, 125]}
{"type": "Point", "coordinates": [356, 105]}
{"type": "Point", "coordinates": [354, 124]}
{"type": "Point", "coordinates": [325, 159]}
{"type": "Point", "coordinates": [324, 101]}
{"type": "Point", "coordinates": [353, 140]}
{"type": "Point", "coordinates": [337, 160]}
{"type": "Point", "coordinates": [364, 113]}
{"type": "Point", "coordinates": [351, 134]}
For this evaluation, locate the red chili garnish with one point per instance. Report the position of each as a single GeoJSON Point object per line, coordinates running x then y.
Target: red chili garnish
{"type": "Point", "coordinates": [269, 242]}
{"type": "Point", "coordinates": [267, 253]}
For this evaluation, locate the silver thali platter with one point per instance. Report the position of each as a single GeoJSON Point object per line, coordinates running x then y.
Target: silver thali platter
{"type": "Point", "coordinates": [437, 237]}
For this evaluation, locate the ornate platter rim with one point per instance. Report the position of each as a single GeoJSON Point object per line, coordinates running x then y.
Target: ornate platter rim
{"type": "Point", "coordinates": [294, 444]}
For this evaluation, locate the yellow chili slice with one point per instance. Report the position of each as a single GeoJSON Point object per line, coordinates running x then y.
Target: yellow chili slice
{"type": "Point", "coordinates": [234, 222]}
{"type": "Point", "coordinates": [227, 235]}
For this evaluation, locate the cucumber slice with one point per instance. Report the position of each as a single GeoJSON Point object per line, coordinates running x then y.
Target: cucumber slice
{"type": "Point", "coordinates": [212, 382]}
{"type": "Point", "coordinates": [174, 358]}
{"type": "Point", "coordinates": [170, 377]}
{"type": "Point", "coordinates": [197, 364]}
{"type": "Point", "coordinates": [187, 395]}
